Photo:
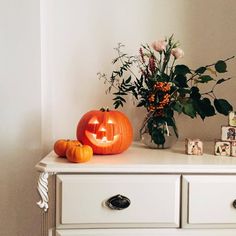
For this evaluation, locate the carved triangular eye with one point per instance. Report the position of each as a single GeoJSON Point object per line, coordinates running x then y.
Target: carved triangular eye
{"type": "Point", "coordinates": [94, 121]}
{"type": "Point", "coordinates": [110, 121]}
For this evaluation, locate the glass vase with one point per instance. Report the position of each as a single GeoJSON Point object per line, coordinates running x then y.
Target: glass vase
{"type": "Point", "coordinates": [159, 132]}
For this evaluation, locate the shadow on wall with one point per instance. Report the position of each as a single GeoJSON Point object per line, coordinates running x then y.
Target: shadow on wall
{"type": "Point", "coordinates": [203, 31]}
{"type": "Point", "coordinates": [209, 35]}
{"type": "Point", "coordinates": [18, 191]}
{"type": "Point", "coordinates": [199, 25]}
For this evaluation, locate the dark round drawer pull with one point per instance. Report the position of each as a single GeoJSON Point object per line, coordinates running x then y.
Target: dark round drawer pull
{"type": "Point", "coordinates": [118, 202]}
{"type": "Point", "coordinates": [234, 203]}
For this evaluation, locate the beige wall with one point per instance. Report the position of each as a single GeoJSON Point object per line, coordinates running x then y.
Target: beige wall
{"type": "Point", "coordinates": [20, 116]}
{"type": "Point", "coordinates": [77, 39]}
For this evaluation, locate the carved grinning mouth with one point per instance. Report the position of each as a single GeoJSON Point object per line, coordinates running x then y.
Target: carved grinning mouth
{"type": "Point", "coordinates": [100, 142]}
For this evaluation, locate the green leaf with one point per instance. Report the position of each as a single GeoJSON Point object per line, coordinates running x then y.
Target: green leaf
{"type": "Point", "coordinates": [164, 78]}
{"type": "Point", "coordinates": [128, 80]}
{"type": "Point", "coordinates": [120, 93]}
{"type": "Point", "coordinates": [189, 109]}
{"type": "Point", "coordinates": [131, 88]}
{"type": "Point", "coordinates": [204, 79]}
{"type": "Point", "coordinates": [150, 125]}
{"type": "Point", "coordinates": [158, 136]}
{"type": "Point", "coordinates": [221, 66]}
{"type": "Point", "coordinates": [195, 93]}
{"type": "Point", "coordinates": [223, 106]}
{"type": "Point", "coordinates": [206, 101]}
{"type": "Point", "coordinates": [184, 91]}
{"type": "Point", "coordinates": [182, 70]}
{"type": "Point", "coordinates": [116, 72]}
{"type": "Point", "coordinates": [178, 107]}
{"type": "Point", "coordinates": [181, 81]}
{"type": "Point", "coordinates": [169, 112]}
{"type": "Point", "coordinates": [220, 81]}
{"type": "Point", "coordinates": [200, 70]}
{"type": "Point", "coordinates": [141, 103]}
{"type": "Point", "coordinates": [205, 109]}
{"type": "Point", "coordinates": [175, 128]}
{"type": "Point", "coordinates": [119, 98]}
{"type": "Point", "coordinates": [117, 103]}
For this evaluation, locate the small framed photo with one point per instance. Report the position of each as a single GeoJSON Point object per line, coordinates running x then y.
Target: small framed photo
{"type": "Point", "coordinates": [222, 148]}
{"type": "Point", "coordinates": [193, 146]}
{"type": "Point", "coordinates": [232, 118]}
{"type": "Point", "coordinates": [228, 133]}
{"type": "Point", "coordinates": [233, 149]}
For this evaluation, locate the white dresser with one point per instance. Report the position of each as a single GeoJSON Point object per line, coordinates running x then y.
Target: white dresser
{"type": "Point", "coordinates": [141, 192]}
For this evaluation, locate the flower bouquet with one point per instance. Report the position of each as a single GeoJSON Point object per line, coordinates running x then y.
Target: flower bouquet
{"type": "Point", "coordinates": [164, 87]}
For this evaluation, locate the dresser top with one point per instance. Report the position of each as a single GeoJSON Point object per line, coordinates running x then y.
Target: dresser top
{"type": "Point", "coordinates": [140, 159]}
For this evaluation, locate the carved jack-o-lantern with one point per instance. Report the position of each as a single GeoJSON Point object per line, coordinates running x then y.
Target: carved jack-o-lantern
{"type": "Point", "coordinates": [106, 131]}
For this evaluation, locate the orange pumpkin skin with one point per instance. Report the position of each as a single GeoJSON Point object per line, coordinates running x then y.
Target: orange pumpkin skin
{"type": "Point", "coordinates": [79, 153]}
{"type": "Point", "coordinates": [106, 131]}
{"type": "Point", "coordinates": [61, 145]}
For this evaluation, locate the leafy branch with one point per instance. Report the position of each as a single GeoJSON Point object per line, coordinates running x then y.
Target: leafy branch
{"type": "Point", "coordinates": [154, 80]}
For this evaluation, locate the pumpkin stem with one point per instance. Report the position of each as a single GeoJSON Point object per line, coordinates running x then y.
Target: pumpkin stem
{"type": "Point", "coordinates": [103, 109]}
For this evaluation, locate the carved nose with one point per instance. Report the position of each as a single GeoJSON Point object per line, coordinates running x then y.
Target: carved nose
{"type": "Point", "coordinates": [101, 133]}
{"type": "Point", "coordinates": [105, 132]}
{"type": "Point", "coordinates": [101, 128]}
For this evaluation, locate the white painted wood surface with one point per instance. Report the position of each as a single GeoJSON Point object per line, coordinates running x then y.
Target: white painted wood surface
{"type": "Point", "coordinates": [43, 191]}
{"type": "Point", "coordinates": [208, 201]}
{"type": "Point", "coordinates": [155, 200]}
{"type": "Point", "coordinates": [147, 232]}
{"type": "Point", "coordinates": [139, 159]}
{"type": "Point", "coordinates": [198, 189]}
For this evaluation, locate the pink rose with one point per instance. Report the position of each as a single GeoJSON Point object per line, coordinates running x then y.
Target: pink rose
{"type": "Point", "coordinates": [177, 53]}
{"type": "Point", "coordinates": [159, 46]}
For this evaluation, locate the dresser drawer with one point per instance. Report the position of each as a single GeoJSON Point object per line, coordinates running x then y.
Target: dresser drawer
{"type": "Point", "coordinates": [82, 200]}
{"type": "Point", "coordinates": [146, 232]}
{"type": "Point", "coordinates": [208, 201]}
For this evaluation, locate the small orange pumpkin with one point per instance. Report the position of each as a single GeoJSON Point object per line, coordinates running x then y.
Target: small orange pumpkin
{"type": "Point", "coordinates": [79, 153]}
{"type": "Point", "coordinates": [61, 145]}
